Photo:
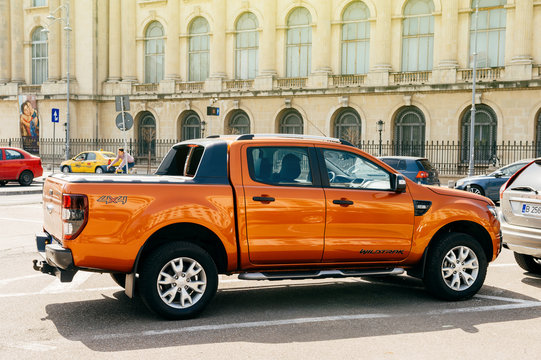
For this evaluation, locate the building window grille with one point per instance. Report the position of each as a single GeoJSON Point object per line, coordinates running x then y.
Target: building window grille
{"type": "Point", "coordinates": [409, 132]}
{"type": "Point", "coordinates": [486, 126]}
{"type": "Point", "coordinates": [154, 53]}
{"type": "Point", "coordinates": [246, 47]}
{"type": "Point", "coordinates": [418, 36]}
{"type": "Point", "coordinates": [291, 123]}
{"type": "Point", "coordinates": [191, 126]}
{"type": "Point", "coordinates": [348, 126]}
{"type": "Point", "coordinates": [491, 23]}
{"type": "Point", "coordinates": [355, 39]}
{"type": "Point", "coordinates": [147, 136]}
{"type": "Point", "coordinates": [40, 58]}
{"type": "Point", "coordinates": [239, 123]}
{"type": "Point", "coordinates": [198, 52]}
{"type": "Point", "coordinates": [299, 43]}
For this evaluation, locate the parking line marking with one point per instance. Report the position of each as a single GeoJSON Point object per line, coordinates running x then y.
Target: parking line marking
{"type": "Point", "coordinates": [7, 281]}
{"type": "Point", "coordinates": [57, 286]}
{"type": "Point", "coordinates": [22, 220]}
{"type": "Point", "coordinates": [60, 291]}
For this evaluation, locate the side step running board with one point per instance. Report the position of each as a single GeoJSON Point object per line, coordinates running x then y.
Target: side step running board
{"type": "Point", "coordinates": [294, 275]}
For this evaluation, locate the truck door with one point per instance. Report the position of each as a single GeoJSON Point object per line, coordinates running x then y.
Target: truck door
{"type": "Point", "coordinates": [366, 221]}
{"type": "Point", "coordinates": [284, 205]}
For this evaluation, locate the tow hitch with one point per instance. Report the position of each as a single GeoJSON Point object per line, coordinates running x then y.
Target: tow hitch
{"type": "Point", "coordinates": [44, 267]}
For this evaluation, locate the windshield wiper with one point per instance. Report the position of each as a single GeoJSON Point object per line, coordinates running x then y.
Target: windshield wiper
{"type": "Point", "coordinates": [525, 188]}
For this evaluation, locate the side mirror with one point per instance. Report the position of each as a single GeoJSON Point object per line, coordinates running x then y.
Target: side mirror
{"type": "Point", "coordinates": [398, 183]}
{"type": "Point", "coordinates": [497, 174]}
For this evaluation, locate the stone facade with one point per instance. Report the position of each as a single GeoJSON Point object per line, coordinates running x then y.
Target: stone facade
{"type": "Point", "coordinates": [107, 55]}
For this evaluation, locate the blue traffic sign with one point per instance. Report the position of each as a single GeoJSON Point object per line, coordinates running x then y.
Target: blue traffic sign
{"type": "Point", "coordinates": [55, 115]}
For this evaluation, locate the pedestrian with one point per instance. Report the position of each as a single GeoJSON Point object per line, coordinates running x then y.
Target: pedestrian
{"type": "Point", "coordinates": [125, 158]}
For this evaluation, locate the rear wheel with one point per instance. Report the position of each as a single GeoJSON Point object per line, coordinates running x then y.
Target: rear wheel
{"type": "Point", "coordinates": [3, 183]}
{"type": "Point", "coordinates": [26, 178]}
{"type": "Point", "coordinates": [456, 267]}
{"type": "Point", "coordinates": [528, 263]}
{"type": "Point", "coordinates": [476, 189]}
{"type": "Point", "coordinates": [178, 280]}
{"type": "Point", "coordinates": [66, 169]}
{"type": "Point", "coordinates": [99, 170]}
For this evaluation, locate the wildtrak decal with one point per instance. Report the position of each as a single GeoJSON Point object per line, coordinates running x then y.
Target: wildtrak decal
{"type": "Point", "coordinates": [113, 199]}
{"type": "Point", "coordinates": [377, 252]}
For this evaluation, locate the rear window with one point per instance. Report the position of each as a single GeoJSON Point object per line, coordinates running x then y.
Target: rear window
{"type": "Point", "coordinates": [108, 155]}
{"type": "Point", "coordinates": [531, 176]}
{"type": "Point", "coordinates": [391, 162]}
{"type": "Point", "coordinates": [427, 165]}
{"type": "Point", "coordinates": [182, 160]}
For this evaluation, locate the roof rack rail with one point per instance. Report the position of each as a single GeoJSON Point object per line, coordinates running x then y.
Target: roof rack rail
{"type": "Point", "coordinates": [294, 136]}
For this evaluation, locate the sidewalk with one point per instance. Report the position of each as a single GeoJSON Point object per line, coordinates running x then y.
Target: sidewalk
{"type": "Point", "coordinates": [13, 187]}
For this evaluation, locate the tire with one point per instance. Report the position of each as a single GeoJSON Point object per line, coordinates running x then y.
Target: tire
{"type": "Point", "coordinates": [3, 183]}
{"type": "Point", "coordinates": [476, 189]}
{"type": "Point", "coordinates": [454, 281]}
{"type": "Point", "coordinates": [99, 170]}
{"type": "Point", "coordinates": [169, 292]}
{"type": "Point", "coordinates": [528, 263]}
{"type": "Point", "coordinates": [26, 178]}
{"type": "Point", "coordinates": [119, 279]}
{"type": "Point", "coordinates": [66, 169]}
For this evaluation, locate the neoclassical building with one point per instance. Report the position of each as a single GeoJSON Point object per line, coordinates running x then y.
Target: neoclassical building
{"type": "Point", "coordinates": [320, 67]}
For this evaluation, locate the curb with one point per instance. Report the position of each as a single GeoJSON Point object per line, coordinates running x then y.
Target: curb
{"type": "Point", "coordinates": [33, 190]}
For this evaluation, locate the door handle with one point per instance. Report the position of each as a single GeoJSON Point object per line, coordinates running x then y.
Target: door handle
{"type": "Point", "coordinates": [263, 198]}
{"type": "Point", "coordinates": [342, 202]}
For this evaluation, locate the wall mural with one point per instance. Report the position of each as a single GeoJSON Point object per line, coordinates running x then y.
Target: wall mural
{"type": "Point", "coordinates": [29, 123]}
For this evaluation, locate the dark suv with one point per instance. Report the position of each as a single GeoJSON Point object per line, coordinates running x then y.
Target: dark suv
{"type": "Point", "coordinates": [417, 169]}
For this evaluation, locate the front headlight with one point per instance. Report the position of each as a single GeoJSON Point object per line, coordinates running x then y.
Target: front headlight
{"type": "Point", "coordinates": [492, 210]}
{"type": "Point", "coordinates": [459, 183]}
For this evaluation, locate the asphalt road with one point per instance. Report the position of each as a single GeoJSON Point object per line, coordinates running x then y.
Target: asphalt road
{"type": "Point", "coordinates": [367, 318]}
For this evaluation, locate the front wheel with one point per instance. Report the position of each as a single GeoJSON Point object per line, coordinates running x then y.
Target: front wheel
{"type": "Point", "coordinates": [456, 267]}
{"type": "Point", "coordinates": [528, 263]}
{"type": "Point", "coordinates": [3, 183]}
{"type": "Point", "coordinates": [66, 169]}
{"type": "Point", "coordinates": [476, 189]}
{"type": "Point", "coordinates": [178, 280]}
{"type": "Point", "coordinates": [26, 178]}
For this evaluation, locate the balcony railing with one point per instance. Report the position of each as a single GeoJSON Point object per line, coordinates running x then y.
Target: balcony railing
{"type": "Point", "coordinates": [406, 78]}
{"type": "Point", "coordinates": [291, 83]}
{"type": "Point", "coordinates": [146, 88]}
{"type": "Point", "coordinates": [485, 74]}
{"type": "Point", "coordinates": [30, 89]}
{"type": "Point", "coordinates": [239, 84]}
{"type": "Point", "coordinates": [347, 80]}
{"type": "Point", "coordinates": [190, 86]}
{"type": "Point", "coordinates": [536, 71]}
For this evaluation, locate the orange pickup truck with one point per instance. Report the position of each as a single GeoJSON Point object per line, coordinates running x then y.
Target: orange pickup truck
{"type": "Point", "coordinates": [263, 207]}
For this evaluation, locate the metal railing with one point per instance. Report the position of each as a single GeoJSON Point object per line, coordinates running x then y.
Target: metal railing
{"type": "Point", "coordinates": [449, 157]}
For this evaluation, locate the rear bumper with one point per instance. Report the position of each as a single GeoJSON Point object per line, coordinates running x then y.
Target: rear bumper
{"type": "Point", "coordinates": [54, 259]}
{"type": "Point", "coordinates": [520, 239]}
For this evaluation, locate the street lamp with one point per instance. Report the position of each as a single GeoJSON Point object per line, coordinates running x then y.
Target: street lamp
{"type": "Point", "coordinates": [379, 125]}
{"type": "Point", "coordinates": [471, 166]}
{"type": "Point", "coordinates": [67, 29]}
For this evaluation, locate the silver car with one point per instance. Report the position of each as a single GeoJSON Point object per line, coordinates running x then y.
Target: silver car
{"type": "Point", "coordinates": [520, 216]}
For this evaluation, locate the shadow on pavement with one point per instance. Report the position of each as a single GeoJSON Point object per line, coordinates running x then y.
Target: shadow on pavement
{"type": "Point", "coordinates": [263, 314]}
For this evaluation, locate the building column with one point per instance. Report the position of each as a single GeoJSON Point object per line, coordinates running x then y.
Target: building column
{"type": "Point", "coordinates": [5, 61]}
{"type": "Point", "coordinates": [380, 45]}
{"type": "Point", "coordinates": [217, 50]}
{"type": "Point", "coordinates": [445, 71]}
{"type": "Point", "coordinates": [128, 52]}
{"type": "Point", "coordinates": [17, 40]}
{"type": "Point", "coordinates": [53, 45]}
{"type": "Point", "coordinates": [321, 43]}
{"type": "Point", "coordinates": [521, 61]}
{"type": "Point", "coordinates": [172, 43]}
{"type": "Point", "coordinates": [115, 40]}
{"type": "Point", "coordinates": [267, 48]}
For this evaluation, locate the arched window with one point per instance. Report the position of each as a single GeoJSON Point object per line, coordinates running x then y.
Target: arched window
{"type": "Point", "coordinates": [486, 126]}
{"type": "Point", "coordinates": [491, 21]}
{"type": "Point", "coordinates": [409, 132]}
{"type": "Point", "coordinates": [291, 123]}
{"type": "Point", "coordinates": [355, 39]}
{"type": "Point", "coordinates": [198, 53]}
{"type": "Point", "coordinates": [246, 47]}
{"type": "Point", "coordinates": [348, 126]}
{"type": "Point", "coordinates": [418, 36]}
{"type": "Point", "coordinates": [147, 135]}
{"type": "Point", "coordinates": [40, 56]}
{"type": "Point", "coordinates": [191, 126]}
{"type": "Point", "coordinates": [299, 43]}
{"type": "Point", "coordinates": [239, 123]}
{"type": "Point", "coordinates": [538, 136]}
{"type": "Point", "coordinates": [154, 53]}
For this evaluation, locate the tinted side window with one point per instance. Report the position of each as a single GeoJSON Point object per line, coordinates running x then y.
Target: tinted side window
{"type": "Point", "coordinates": [175, 161]}
{"type": "Point", "coordinates": [391, 162]}
{"type": "Point", "coordinates": [402, 165]}
{"type": "Point", "coordinates": [426, 165]}
{"type": "Point", "coordinates": [280, 165]}
{"type": "Point", "coordinates": [349, 170]}
{"type": "Point", "coordinates": [195, 159]}
{"type": "Point", "coordinates": [13, 155]}
{"type": "Point", "coordinates": [510, 170]}
{"type": "Point", "coordinates": [91, 156]}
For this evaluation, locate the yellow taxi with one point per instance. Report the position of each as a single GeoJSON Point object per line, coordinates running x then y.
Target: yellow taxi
{"type": "Point", "coordinates": [89, 162]}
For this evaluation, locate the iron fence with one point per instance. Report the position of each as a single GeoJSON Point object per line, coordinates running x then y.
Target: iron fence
{"type": "Point", "coordinates": [449, 157]}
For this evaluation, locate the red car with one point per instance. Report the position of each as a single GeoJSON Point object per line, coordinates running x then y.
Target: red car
{"type": "Point", "coordinates": [18, 165]}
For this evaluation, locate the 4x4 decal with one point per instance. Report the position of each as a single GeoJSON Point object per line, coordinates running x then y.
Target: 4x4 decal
{"type": "Point", "coordinates": [381, 251]}
{"type": "Point", "coordinates": [113, 199]}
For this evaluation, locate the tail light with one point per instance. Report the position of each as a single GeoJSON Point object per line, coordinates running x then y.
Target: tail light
{"type": "Point", "coordinates": [109, 162]}
{"type": "Point", "coordinates": [422, 175]}
{"type": "Point", "coordinates": [74, 214]}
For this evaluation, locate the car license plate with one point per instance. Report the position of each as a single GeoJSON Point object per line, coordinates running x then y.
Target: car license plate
{"type": "Point", "coordinates": [529, 209]}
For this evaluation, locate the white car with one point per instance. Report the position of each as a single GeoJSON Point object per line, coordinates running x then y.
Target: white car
{"type": "Point", "coordinates": [520, 216]}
